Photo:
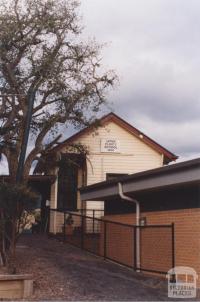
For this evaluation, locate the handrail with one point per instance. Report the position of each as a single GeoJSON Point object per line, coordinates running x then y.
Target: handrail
{"type": "Point", "coordinates": [114, 222]}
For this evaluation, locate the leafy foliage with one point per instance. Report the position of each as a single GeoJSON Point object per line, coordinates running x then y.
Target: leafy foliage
{"type": "Point", "coordinates": [16, 198]}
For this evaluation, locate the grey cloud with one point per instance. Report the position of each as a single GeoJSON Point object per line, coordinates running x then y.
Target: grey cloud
{"type": "Point", "coordinates": [154, 47]}
{"type": "Point", "coordinates": [155, 50]}
{"type": "Point", "coordinates": [162, 94]}
{"type": "Point", "coordinates": [180, 138]}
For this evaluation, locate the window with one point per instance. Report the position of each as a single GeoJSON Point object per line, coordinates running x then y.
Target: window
{"type": "Point", "coordinates": [114, 175]}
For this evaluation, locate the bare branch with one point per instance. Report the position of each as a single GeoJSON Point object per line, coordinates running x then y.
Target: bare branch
{"type": "Point", "coordinates": [41, 52]}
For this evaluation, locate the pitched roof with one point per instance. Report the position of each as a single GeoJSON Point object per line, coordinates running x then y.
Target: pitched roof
{"type": "Point", "coordinates": [112, 117]}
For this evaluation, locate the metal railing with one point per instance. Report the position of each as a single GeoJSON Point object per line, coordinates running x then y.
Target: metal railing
{"type": "Point", "coordinates": [86, 212]}
{"type": "Point", "coordinates": [116, 241]}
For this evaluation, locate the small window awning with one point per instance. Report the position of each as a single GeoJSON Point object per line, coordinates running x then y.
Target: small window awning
{"type": "Point", "coordinates": [181, 174]}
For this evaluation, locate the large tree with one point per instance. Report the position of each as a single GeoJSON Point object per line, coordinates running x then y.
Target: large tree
{"type": "Point", "coordinates": [43, 56]}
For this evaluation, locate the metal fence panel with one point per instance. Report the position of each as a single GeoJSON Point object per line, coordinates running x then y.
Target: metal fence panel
{"type": "Point", "coordinates": [117, 241]}
{"type": "Point", "coordinates": [91, 234]}
{"type": "Point", "coordinates": [156, 248]}
{"type": "Point", "coordinates": [120, 243]}
{"type": "Point", "coordinates": [72, 233]}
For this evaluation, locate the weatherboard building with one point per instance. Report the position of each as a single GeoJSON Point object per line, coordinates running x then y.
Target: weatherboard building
{"type": "Point", "coordinates": [115, 149]}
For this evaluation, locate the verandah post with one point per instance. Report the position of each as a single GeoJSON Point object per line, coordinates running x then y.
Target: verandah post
{"type": "Point", "coordinates": [82, 231]}
{"type": "Point", "coordinates": [93, 213]}
{"type": "Point", "coordinates": [105, 239]}
{"type": "Point", "coordinates": [134, 248]}
{"type": "Point", "coordinates": [64, 228]}
{"type": "Point", "coordinates": [173, 245]}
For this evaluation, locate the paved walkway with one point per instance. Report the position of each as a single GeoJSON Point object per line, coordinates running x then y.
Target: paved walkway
{"type": "Point", "coordinates": [63, 272]}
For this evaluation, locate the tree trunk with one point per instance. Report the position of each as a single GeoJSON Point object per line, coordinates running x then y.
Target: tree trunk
{"type": "Point", "coordinates": [2, 243]}
{"type": "Point", "coordinates": [13, 239]}
{"type": "Point", "coordinates": [12, 159]}
{"type": "Point", "coordinates": [27, 168]}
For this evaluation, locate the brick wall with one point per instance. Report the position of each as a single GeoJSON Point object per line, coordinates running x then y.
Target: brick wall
{"type": "Point", "coordinates": [156, 248]}
{"type": "Point", "coordinates": [119, 243]}
{"type": "Point", "coordinates": [187, 239]}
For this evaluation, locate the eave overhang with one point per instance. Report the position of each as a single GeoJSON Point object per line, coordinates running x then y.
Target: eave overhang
{"type": "Point", "coordinates": [181, 174]}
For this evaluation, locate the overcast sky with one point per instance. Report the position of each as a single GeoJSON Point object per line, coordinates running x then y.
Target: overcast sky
{"type": "Point", "coordinates": [154, 46]}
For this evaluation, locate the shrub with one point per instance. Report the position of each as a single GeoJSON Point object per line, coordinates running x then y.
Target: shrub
{"type": "Point", "coordinates": [16, 202]}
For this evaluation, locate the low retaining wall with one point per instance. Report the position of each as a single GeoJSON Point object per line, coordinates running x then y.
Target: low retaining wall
{"type": "Point", "coordinates": [16, 286]}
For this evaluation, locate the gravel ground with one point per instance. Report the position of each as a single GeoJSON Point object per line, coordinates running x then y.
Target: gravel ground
{"type": "Point", "coordinates": [63, 272]}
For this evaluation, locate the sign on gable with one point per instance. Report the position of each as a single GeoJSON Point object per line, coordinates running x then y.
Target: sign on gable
{"type": "Point", "coordinates": [110, 145]}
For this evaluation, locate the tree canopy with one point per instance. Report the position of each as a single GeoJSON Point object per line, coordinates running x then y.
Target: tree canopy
{"type": "Point", "coordinates": [42, 54]}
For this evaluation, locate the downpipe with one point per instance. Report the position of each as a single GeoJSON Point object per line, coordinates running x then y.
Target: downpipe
{"type": "Point", "coordinates": [137, 204]}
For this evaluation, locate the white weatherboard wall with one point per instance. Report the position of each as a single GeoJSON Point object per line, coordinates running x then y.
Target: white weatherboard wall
{"type": "Point", "coordinates": [133, 155]}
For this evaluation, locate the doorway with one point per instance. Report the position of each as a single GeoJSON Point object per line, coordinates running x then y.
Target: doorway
{"type": "Point", "coordinates": [42, 186]}
{"type": "Point", "coordinates": [67, 186]}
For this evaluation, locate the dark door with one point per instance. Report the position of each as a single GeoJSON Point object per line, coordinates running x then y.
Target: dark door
{"type": "Point", "coordinates": [67, 187]}
{"type": "Point", "coordinates": [43, 188]}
